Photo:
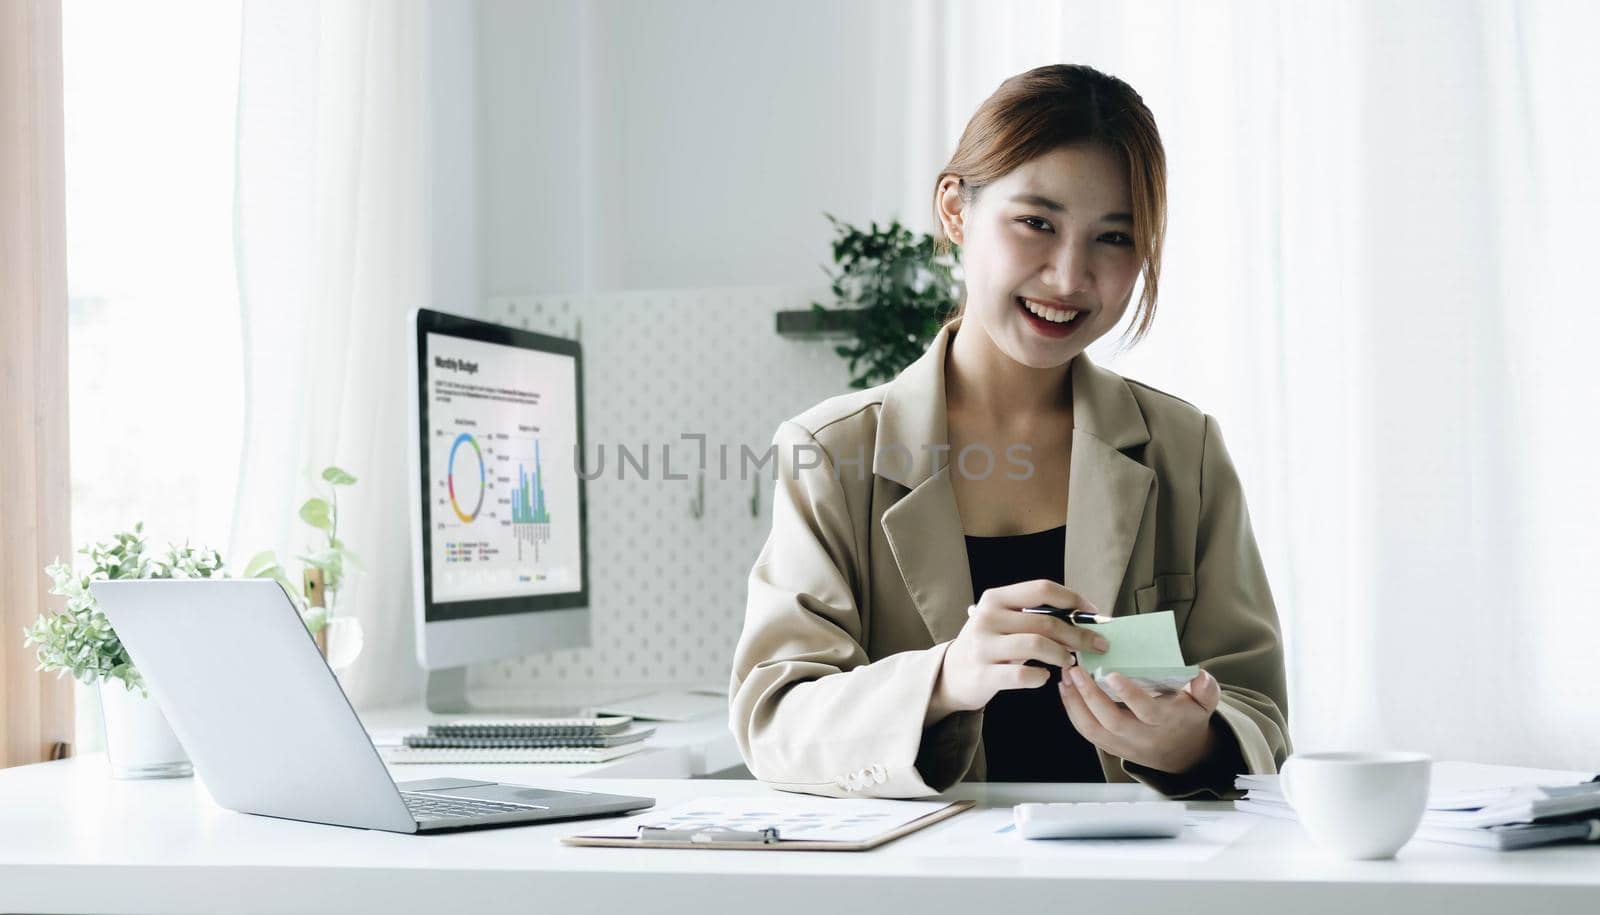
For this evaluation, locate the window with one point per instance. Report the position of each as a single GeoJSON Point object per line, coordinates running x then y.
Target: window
{"type": "Point", "coordinates": [154, 344]}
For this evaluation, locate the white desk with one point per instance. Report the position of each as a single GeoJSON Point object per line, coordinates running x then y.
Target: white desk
{"type": "Point", "coordinates": [73, 840]}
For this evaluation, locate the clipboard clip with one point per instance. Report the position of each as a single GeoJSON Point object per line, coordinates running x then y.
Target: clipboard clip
{"type": "Point", "coordinates": [766, 836]}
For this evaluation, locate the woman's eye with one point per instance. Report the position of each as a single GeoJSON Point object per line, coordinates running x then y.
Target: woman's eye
{"type": "Point", "coordinates": [1036, 222]}
{"type": "Point", "coordinates": [1121, 239]}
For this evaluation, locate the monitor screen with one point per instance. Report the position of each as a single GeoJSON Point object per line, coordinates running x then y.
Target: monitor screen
{"type": "Point", "coordinates": [501, 426]}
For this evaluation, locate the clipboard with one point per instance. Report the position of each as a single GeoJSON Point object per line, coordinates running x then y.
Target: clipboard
{"type": "Point", "coordinates": [768, 839]}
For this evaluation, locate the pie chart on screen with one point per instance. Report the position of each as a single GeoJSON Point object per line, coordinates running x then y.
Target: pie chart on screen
{"type": "Point", "coordinates": [467, 478]}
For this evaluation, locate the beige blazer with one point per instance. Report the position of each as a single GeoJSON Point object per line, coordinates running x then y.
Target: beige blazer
{"type": "Point", "coordinates": [864, 581]}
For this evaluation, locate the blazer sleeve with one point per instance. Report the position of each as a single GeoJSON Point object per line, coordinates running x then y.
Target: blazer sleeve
{"type": "Point", "coordinates": [810, 711]}
{"type": "Point", "coordinates": [1231, 631]}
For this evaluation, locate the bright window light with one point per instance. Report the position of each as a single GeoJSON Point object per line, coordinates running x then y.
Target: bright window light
{"type": "Point", "coordinates": [154, 344]}
{"type": "Point", "coordinates": [154, 332]}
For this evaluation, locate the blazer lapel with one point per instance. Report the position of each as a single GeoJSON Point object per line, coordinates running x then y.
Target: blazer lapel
{"type": "Point", "coordinates": [924, 533]}
{"type": "Point", "coordinates": [924, 526]}
{"type": "Point", "coordinates": [1106, 497]}
{"type": "Point", "coordinates": [1106, 489]}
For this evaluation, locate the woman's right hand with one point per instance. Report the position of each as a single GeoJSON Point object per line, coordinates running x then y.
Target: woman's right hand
{"type": "Point", "coordinates": [991, 651]}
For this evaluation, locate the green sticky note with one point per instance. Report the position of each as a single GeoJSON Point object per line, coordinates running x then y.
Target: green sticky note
{"type": "Point", "coordinates": [1144, 648]}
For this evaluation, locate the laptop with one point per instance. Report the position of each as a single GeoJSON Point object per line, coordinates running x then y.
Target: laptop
{"type": "Point", "coordinates": [271, 732]}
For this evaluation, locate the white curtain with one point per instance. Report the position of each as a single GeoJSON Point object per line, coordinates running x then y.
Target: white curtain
{"type": "Point", "coordinates": [1377, 279]}
{"type": "Point", "coordinates": [332, 252]}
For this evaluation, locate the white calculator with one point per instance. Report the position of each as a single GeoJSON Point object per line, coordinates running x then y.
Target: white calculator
{"type": "Point", "coordinates": [1100, 820]}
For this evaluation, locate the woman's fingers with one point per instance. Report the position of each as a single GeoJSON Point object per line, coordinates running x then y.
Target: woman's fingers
{"type": "Point", "coordinates": [1016, 647]}
{"type": "Point", "coordinates": [1017, 676]}
{"type": "Point", "coordinates": [1157, 731]}
{"type": "Point", "coordinates": [994, 678]}
{"type": "Point", "coordinates": [999, 617]}
{"type": "Point", "coordinates": [998, 638]}
{"type": "Point", "coordinates": [1083, 720]}
{"type": "Point", "coordinates": [1075, 638]}
{"type": "Point", "coordinates": [1145, 707]}
{"type": "Point", "coordinates": [1205, 690]}
{"type": "Point", "coordinates": [1038, 592]}
{"type": "Point", "coordinates": [1112, 718]}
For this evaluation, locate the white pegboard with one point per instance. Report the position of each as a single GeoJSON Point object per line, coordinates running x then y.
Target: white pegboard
{"type": "Point", "coordinates": [667, 590]}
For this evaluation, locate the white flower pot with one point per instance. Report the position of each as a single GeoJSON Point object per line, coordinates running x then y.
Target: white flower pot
{"type": "Point", "coordinates": [139, 742]}
{"type": "Point", "coordinates": [343, 641]}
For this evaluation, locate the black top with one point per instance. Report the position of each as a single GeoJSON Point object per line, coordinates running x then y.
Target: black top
{"type": "Point", "coordinates": [1027, 736]}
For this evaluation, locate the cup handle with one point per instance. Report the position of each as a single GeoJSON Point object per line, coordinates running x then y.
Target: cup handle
{"type": "Point", "coordinates": [1286, 780]}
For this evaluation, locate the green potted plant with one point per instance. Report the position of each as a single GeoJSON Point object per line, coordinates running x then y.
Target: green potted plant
{"type": "Point", "coordinates": [324, 567]}
{"type": "Point", "coordinates": [896, 290]}
{"type": "Point", "coordinates": [79, 640]}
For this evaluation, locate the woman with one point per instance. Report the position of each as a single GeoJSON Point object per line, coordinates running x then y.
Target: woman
{"type": "Point", "coordinates": [883, 651]}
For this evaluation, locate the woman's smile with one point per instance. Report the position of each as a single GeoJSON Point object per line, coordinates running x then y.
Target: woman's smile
{"type": "Point", "coordinates": [1049, 321]}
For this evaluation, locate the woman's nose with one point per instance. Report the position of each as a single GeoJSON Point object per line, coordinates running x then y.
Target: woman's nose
{"type": "Point", "coordinates": [1068, 271]}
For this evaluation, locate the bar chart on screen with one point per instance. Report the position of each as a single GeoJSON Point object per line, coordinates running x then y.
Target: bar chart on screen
{"type": "Point", "coordinates": [530, 515]}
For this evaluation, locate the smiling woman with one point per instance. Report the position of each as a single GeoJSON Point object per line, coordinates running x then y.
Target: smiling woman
{"type": "Point", "coordinates": [1117, 168]}
{"type": "Point", "coordinates": [883, 650]}
{"type": "Point", "coordinates": [1086, 242]}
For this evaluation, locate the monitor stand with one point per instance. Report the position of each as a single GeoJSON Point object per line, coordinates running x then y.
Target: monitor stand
{"type": "Point", "coordinates": [445, 692]}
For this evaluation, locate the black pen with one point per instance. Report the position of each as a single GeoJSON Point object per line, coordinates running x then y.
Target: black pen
{"type": "Point", "coordinates": [1076, 617]}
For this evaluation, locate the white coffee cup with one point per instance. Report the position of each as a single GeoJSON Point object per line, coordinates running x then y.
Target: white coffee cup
{"type": "Point", "coordinates": [1358, 805]}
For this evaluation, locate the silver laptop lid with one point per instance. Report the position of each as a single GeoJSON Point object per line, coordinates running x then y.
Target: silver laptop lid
{"type": "Point", "coordinates": [256, 706]}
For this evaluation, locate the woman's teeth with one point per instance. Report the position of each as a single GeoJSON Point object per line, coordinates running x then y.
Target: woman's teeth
{"type": "Point", "coordinates": [1055, 315]}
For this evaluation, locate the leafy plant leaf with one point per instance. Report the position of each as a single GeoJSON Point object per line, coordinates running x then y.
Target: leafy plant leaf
{"type": "Point", "coordinates": [337, 477]}
{"type": "Point", "coordinates": [317, 513]}
{"type": "Point", "coordinates": [265, 565]}
{"type": "Point", "coordinates": [79, 639]}
{"type": "Point", "coordinates": [902, 289]}
{"type": "Point", "coordinates": [316, 619]}
{"type": "Point", "coordinates": [331, 562]}
{"type": "Point", "coordinates": [261, 565]}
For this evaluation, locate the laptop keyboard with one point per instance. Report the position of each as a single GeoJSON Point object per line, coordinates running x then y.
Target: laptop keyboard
{"type": "Point", "coordinates": [432, 807]}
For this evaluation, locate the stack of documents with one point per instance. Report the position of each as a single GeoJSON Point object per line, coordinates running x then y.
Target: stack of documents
{"type": "Point", "coordinates": [1466, 807]}
{"type": "Point", "coordinates": [553, 740]}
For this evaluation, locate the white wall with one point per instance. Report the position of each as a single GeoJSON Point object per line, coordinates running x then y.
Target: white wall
{"type": "Point", "coordinates": [455, 164]}
{"type": "Point", "coordinates": [614, 147]}
{"type": "Point", "coordinates": [636, 145]}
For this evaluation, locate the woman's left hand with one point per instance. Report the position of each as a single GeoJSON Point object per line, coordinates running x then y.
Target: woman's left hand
{"type": "Point", "coordinates": [1170, 733]}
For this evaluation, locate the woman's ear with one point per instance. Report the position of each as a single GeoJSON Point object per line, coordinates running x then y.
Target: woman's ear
{"type": "Point", "coordinates": [951, 207]}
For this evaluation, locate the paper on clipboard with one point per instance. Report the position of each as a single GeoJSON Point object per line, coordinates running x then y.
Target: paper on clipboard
{"type": "Point", "coordinates": [795, 818]}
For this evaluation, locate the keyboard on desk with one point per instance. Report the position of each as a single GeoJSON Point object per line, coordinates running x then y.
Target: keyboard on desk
{"type": "Point", "coordinates": [427, 807]}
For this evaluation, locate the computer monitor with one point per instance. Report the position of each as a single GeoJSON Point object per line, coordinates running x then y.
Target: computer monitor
{"type": "Point", "coordinates": [499, 532]}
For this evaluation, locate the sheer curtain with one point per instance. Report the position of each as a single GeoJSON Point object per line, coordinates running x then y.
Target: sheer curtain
{"type": "Point", "coordinates": [1376, 281]}
{"type": "Point", "coordinates": [332, 250]}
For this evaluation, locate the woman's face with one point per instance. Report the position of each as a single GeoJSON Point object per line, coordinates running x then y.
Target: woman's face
{"type": "Point", "coordinates": [1055, 232]}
